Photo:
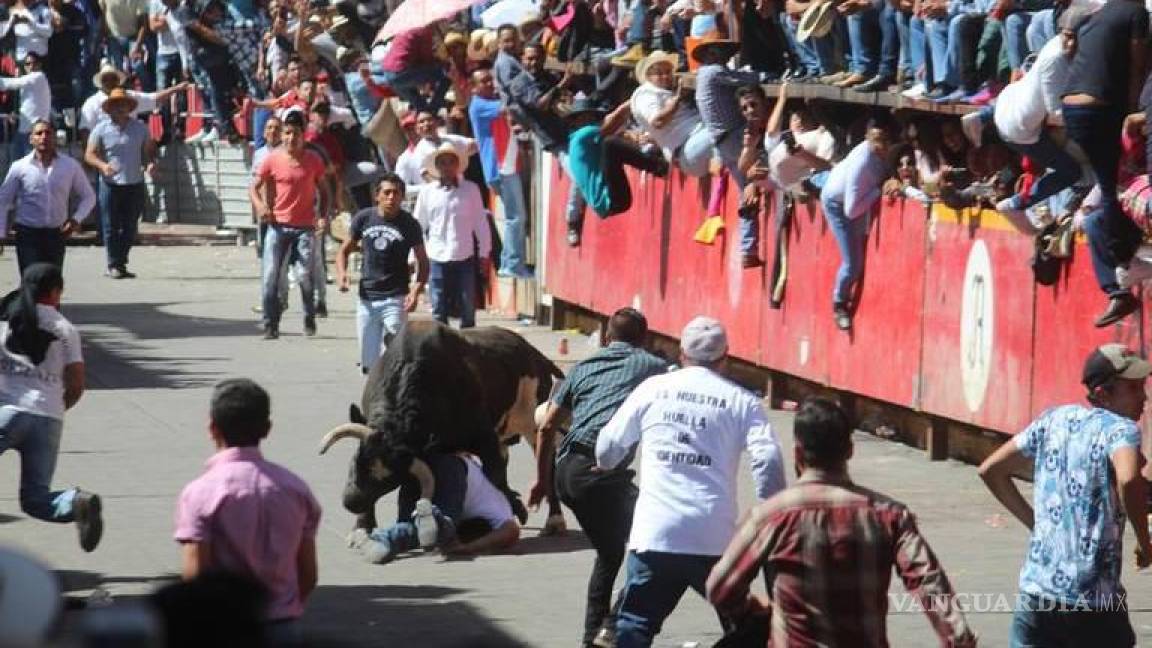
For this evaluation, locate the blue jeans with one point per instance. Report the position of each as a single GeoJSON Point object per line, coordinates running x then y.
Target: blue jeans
{"type": "Point", "coordinates": [636, 31]}
{"type": "Point", "coordinates": [1062, 170]}
{"type": "Point", "coordinates": [830, 46]}
{"type": "Point", "coordinates": [406, 85]}
{"type": "Point", "coordinates": [451, 475]}
{"type": "Point", "coordinates": [918, 55]}
{"type": "Point", "coordinates": [169, 72]}
{"type": "Point", "coordinates": [696, 153]}
{"type": "Point", "coordinates": [851, 234]}
{"type": "Point", "coordinates": [119, 52]}
{"type": "Point", "coordinates": [889, 41]}
{"type": "Point", "coordinates": [37, 439]}
{"type": "Point", "coordinates": [284, 245]}
{"type": "Point", "coordinates": [1041, 29]}
{"type": "Point", "coordinates": [515, 214]}
{"type": "Point", "coordinates": [1040, 624]}
{"type": "Point", "coordinates": [121, 207]}
{"type": "Point", "coordinates": [1016, 28]}
{"type": "Point", "coordinates": [453, 283]}
{"type": "Point", "coordinates": [652, 589]}
{"type": "Point", "coordinates": [377, 322]}
{"type": "Point", "coordinates": [806, 61]}
{"type": "Point", "coordinates": [864, 41]}
{"type": "Point", "coordinates": [953, 48]}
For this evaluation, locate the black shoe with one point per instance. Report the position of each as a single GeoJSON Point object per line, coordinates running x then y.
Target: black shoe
{"type": "Point", "coordinates": [271, 332]}
{"type": "Point", "coordinates": [87, 512]}
{"type": "Point", "coordinates": [573, 237]}
{"type": "Point", "coordinates": [875, 84]}
{"type": "Point", "coordinates": [842, 317]}
{"type": "Point", "coordinates": [939, 92]}
{"type": "Point", "coordinates": [126, 274]}
{"type": "Point", "coordinates": [309, 326]}
{"type": "Point", "coordinates": [1119, 307]}
{"type": "Point", "coordinates": [322, 310]}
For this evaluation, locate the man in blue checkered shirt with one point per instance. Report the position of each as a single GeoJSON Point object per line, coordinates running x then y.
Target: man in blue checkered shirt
{"type": "Point", "coordinates": [602, 500]}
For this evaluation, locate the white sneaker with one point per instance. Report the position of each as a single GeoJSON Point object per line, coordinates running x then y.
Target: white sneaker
{"type": "Point", "coordinates": [210, 137]}
{"type": "Point", "coordinates": [973, 128]}
{"type": "Point", "coordinates": [1017, 217]}
{"type": "Point", "coordinates": [195, 139]}
{"type": "Point", "coordinates": [426, 528]}
{"type": "Point", "coordinates": [915, 92]}
{"type": "Point", "coordinates": [1138, 271]}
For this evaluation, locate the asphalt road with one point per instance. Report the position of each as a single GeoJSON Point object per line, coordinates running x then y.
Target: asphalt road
{"type": "Point", "coordinates": [156, 345]}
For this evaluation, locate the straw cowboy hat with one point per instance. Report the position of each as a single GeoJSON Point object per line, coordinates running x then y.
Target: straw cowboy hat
{"type": "Point", "coordinates": [654, 58]}
{"type": "Point", "coordinates": [816, 21]}
{"type": "Point", "coordinates": [119, 96]}
{"type": "Point", "coordinates": [107, 69]}
{"type": "Point", "coordinates": [444, 149]}
{"type": "Point", "coordinates": [726, 48]}
{"type": "Point", "coordinates": [482, 44]}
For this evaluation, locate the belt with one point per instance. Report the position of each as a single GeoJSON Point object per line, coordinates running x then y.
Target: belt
{"type": "Point", "coordinates": [576, 448]}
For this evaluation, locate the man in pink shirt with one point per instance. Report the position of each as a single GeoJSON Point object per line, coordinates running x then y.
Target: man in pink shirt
{"type": "Point", "coordinates": [284, 195]}
{"type": "Point", "coordinates": [250, 516]}
{"type": "Point", "coordinates": [411, 62]}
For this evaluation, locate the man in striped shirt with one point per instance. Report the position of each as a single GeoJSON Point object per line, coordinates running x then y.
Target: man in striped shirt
{"type": "Point", "coordinates": [832, 546]}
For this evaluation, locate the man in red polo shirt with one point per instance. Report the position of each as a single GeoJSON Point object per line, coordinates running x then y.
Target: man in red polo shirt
{"type": "Point", "coordinates": [284, 195]}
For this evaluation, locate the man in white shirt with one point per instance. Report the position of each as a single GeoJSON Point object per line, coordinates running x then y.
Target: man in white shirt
{"type": "Point", "coordinates": [1020, 117]}
{"type": "Point", "coordinates": [172, 54]}
{"type": "Point", "coordinates": [31, 21]}
{"type": "Point", "coordinates": [411, 167]}
{"type": "Point", "coordinates": [692, 426]}
{"type": "Point", "coordinates": [662, 108]}
{"type": "Point", "coordinates": [35, 100]}
{"type": "Point", "coordinates": [92, 111]}
{"type": "Point", "coordinates": [451, 212]}
{"type": "Point", "coordinates": [40, 185]}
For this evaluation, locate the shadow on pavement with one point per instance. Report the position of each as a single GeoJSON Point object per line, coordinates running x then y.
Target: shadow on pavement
{"type": "Point", "coordinates": [115, 361]}
{"type": "Point", "coordinates": [73, 580]}
{"type": "Point", "coordinates": [8, 519]}
{"type": "Point", "coordinates": [399, 615]}
{"type": "Point", "coordinates": [567, 543]}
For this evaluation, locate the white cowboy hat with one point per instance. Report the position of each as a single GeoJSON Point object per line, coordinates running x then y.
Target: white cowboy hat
{"type": "Point", "coordinates": [444, 149]}
{"type": "Point", "coordinates": [816, 21]}
{"type": "Point", "coordinates": [107, 69]}
{"type": "Point", "coordinates": [654, 58]}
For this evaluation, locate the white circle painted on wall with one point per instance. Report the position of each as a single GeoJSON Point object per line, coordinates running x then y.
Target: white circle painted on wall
{"type": "Point", "coordinates": [977, 325]}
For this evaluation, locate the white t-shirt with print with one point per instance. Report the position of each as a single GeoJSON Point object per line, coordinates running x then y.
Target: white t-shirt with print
{"type": "Point", "coordinates": [39, 389]}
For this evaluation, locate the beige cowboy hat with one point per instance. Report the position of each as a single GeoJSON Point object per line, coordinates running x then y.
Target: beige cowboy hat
{"type": "Point", "coordinates": [816, 21]}
{"type": "Point", "coordinates": [481, 45]}
{"type": "Point", "coordinates": [107, 69]}
{"type": "Point", "coordinates": [455, 38]}
{"type": "Point", "coordinates": [340, 226]}
{"type": "Point", "coordinates": [119, 95]}
{"type": "Point", "coordinates": [444, 149]}
{"type": "Point", "coordinates": [655, 58]}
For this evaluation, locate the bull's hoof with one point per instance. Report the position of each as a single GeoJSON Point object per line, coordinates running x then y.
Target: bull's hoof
{"type": "Point", "coordinates": [555, 525]}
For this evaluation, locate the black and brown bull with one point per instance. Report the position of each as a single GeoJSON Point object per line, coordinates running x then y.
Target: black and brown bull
{"type": "Point", "coordinates": [439, 390]}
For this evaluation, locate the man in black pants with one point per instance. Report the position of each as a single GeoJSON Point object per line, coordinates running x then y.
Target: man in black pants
{"type": "Point", "coordinates": [1104, 86]}
{"type": "Point", "coordinates": [602, 500]}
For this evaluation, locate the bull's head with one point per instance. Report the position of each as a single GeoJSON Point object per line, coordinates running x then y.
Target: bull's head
{"type": "Point", "coordinates": [378, 466]}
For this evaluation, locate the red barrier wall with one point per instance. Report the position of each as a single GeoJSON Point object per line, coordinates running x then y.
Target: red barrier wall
{"type": "Point", "coordinates": [950, 320]}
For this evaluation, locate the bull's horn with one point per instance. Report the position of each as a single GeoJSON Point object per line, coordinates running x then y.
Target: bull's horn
{"type": "Point", "coordinates": [423, 474]}
{"type": "Point", "coordinates": [345, 431]}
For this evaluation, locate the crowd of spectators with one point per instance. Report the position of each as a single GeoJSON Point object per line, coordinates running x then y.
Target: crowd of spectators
{"type": "Point", "coordinates": [606, 85]}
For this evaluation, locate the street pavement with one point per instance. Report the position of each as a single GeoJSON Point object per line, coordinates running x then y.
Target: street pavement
{"type": "Point", "coordinates": [156, 345]}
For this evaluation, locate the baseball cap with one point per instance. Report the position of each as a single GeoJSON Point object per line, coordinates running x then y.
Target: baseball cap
{"type": "Point", "coordinates": [1114, 361]}
{"type": "Point", "coordinates": [704, 340]}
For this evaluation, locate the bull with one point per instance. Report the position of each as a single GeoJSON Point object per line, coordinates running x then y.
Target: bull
{"type": "Point", "coordinates": [436, 390]}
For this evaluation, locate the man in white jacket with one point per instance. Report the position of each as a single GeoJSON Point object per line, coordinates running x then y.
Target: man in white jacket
{"type": "Point", "coordinates": [691, 425]}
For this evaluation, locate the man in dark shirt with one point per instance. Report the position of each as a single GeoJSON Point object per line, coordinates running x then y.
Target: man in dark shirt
{"type": "Point", "coordinates": [602, 500]}
{"type": "Point", "coordinates": [384, 235]}
{"type": "Point", "coordinates": [1103, 87]}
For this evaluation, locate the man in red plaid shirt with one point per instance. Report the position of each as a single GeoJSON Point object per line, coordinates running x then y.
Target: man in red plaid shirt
{"type": "Point", "coordinates": [832, 546]}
